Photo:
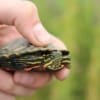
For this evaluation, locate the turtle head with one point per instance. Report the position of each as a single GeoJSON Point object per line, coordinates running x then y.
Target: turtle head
{"type": "Point", "coordinates": [53, 61]}
{"type": "Point", "coordinates": [57, 60]}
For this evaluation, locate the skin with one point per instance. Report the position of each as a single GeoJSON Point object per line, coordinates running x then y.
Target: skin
{"type": "Point", "coordinates": [20, 19]}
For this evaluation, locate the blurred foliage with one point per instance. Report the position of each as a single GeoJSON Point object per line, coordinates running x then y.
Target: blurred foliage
{"type": "Point", "coordinates": [77, 24]}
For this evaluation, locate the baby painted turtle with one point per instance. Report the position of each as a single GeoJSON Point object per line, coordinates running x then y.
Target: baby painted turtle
{"type": "Point", "coordinates": [22, 55]}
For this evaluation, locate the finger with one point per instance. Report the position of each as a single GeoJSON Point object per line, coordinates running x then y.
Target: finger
{"type": "Point", "coordinates": [58, 44]}
{"type": "Point", "coordinates": [4, 96]}
{"type": "Point", "coordinates": [32, 80]}
{"type": "Point", "coordinates": [24, 15]}
{"type": "Point", "coordinates": [62, 74]}
{"type": "Point", "coordinates": [7, 85]}
{"type": "Point", "coordinates": [18, 90]}
{"type": "Point", "coordinates": [8, 34]}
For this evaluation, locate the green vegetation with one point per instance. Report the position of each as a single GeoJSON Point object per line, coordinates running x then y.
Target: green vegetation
{"type": "Point", "coordinates": [77, 24]}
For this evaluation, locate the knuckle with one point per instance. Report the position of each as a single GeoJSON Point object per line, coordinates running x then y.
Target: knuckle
{"type": "Point", "coordinates": [10, 88]}
{"type": "Point", "coordinates": [48, 78]}
{"type": "Point", "coordinates": [6, 82]}
{"type": "Point", "coordinates": [31, 6]}
{"type": "Point", "coordinates": [27, 12]}
{"type": "Point", "coordinates": [28, 93]}
{"type": "Point", "coordinates": [43, 81]}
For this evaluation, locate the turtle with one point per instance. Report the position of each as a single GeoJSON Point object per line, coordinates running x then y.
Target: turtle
{"type": "Point", "coordinates": [21, 55]}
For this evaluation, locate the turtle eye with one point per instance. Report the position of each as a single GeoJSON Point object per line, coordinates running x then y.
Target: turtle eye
{"type": "Point", "coordinates": [64, 52]}
{"type": "Point", "coordinates": [46, 52]}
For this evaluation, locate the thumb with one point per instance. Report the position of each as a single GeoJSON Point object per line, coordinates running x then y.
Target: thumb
{"type": "Point", "coordinates": [24, 16]}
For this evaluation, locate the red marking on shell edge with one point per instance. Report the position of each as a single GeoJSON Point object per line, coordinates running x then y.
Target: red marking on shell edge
{"type": "Point", "coordinates": [30, 68]}
{"type": "Point", "coordinates": [62, 66]}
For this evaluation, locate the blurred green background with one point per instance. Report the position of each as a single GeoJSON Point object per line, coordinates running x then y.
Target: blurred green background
{"type": "Point", "coordinates": [77, 24]}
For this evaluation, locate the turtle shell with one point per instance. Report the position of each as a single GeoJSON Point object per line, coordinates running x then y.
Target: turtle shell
{"type": "Point", "coordinates": [22, 55]}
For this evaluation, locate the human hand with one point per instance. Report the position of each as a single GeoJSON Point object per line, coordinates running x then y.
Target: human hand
{"type": "Point", "coordinates": [20, 18]}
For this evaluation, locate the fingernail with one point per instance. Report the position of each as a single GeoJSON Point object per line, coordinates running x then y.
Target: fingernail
{"type": "Point", "coordinates": [24, 79]}
{"type": "Point", "coordinates": [41, 34]}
